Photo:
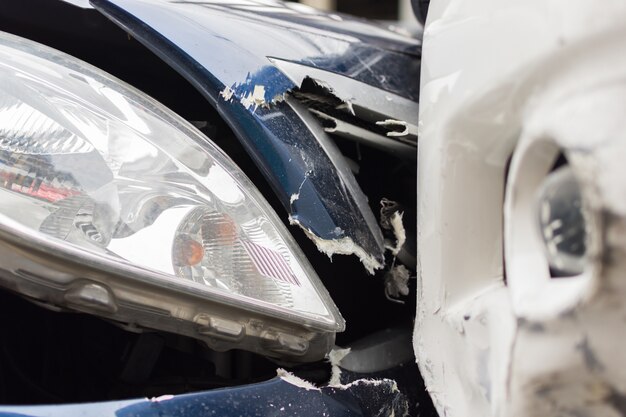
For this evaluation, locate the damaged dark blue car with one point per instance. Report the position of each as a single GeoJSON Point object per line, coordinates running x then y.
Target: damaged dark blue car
{"type": "Point", "coordinates": [200, 201]}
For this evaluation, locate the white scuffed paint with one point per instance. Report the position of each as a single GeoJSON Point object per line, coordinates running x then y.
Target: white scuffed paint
{"type": "Point", "coordinates": [399, 232]}
{"type": "Point", "coordinates": [256, 98]}
{"type": "Point", "coordinates": [160, 398]}
{"type": "Point", "coordinates": [392, 122]}
{"type": "Point", "coordinates": [294, 380]}
{"type": "Point", "coordinates": [227, 93]}
{"type": "Point", "coordinates": [342, 246]}
{"type": "Point", "coordinates": [335, 357]}
{"type": "Point", "coordinates": [372, 382]}
{"type": "Point", "coordinates": [296, 196]}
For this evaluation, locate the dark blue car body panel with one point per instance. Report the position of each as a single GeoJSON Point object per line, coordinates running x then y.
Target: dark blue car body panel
{"type": "Point", "coordinates": [272, 398]}
{"type": "Point", "coordinates": [225, 47]}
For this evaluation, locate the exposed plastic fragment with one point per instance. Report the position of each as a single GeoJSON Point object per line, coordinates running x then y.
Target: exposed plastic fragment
{"type": "Point", "coordinates": [341, 246]}
{"type": "Point", "coordinates": [387, 209]}
{"type": "Point", "coordinates": [391, 219]}
{"type": "Point", "coordinates": [294, 380]}
{"type": "Point", "coordinates": [392, 122]}
{"type": "Point", "coordinates": [349, 129]}
{"type": "Point", "coordinates": [398, 231]}
{"type": "Point", "coordinates": [372, 382]}
{"type": "Point", "coordinates": [334, 357]}
{"type": "Point", "coordinates": [396, 283]}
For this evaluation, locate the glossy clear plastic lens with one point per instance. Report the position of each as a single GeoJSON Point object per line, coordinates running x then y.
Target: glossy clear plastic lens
{"type": "Point", "coordinates": [562, 223]}
{"type": "Point", "coordinates": [90, 162]}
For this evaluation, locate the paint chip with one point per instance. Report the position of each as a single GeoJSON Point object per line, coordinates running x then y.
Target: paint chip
{"type": "Point", "coordinates": [372, 382]}
{"type": "Point", "coordinates": [256, 98]}
{"type": "Point", "coordinates": [227, 93]}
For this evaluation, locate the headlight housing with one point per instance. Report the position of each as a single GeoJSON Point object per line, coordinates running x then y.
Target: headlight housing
{"type": "Point", "coordinates": [112, 204]}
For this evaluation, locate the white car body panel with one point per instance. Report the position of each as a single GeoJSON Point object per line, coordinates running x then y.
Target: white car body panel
{"type": "Point", "coordinates": [501, 80]}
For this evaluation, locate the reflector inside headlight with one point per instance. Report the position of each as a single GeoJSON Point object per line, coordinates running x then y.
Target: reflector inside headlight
{"type": "Point", "coordinates": [563, 224]}
{"type": "Point", "coordinates": [94, 173]}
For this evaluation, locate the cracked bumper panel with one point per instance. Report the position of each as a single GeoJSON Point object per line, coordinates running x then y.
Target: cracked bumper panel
{"type": "Point", "coordinates": [276, 397]}
{"type": "Point", "coordinates": [224, 50]}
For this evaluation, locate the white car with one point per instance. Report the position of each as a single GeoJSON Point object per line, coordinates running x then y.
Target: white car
{"type": "Point", "coordinates": [521, 204]}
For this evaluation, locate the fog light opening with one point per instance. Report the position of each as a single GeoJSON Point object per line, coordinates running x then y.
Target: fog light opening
{"type": "Point", "coordinates": [562, 221]}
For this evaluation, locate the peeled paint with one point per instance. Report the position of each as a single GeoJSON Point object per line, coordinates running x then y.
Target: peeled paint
{"type": "Point", "coordinates": [227, 93]}
{"type": "Point", "coordinates": [256, 98]}
{"type": "Point", "coordinates": [342, 246]}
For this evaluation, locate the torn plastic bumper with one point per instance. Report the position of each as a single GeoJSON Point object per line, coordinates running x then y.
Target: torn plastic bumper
{"type": "Point", "coordinates": [248, 58]}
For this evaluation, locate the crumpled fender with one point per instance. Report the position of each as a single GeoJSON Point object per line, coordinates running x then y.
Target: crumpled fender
{"type": "Point", "coordinates": [232, 53]}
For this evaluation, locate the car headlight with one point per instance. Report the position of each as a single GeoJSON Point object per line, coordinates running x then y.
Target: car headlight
{"type": "Point", "coordinates": [562, 223]}
{"type": "Point", "coordinates": [112, 204]}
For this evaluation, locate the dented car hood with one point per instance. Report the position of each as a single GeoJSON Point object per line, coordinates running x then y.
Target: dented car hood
{"type": "Point", "coordinates": [247, 57]}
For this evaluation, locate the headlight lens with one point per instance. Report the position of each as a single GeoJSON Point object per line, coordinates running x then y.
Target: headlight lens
{"type": "Point", "coordinates": [562, 223]}
{"type": "Point", "coordinates": [95, 171]}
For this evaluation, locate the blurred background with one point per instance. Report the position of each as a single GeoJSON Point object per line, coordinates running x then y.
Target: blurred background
{"type": "Point", "coordinates": [386, 10]}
